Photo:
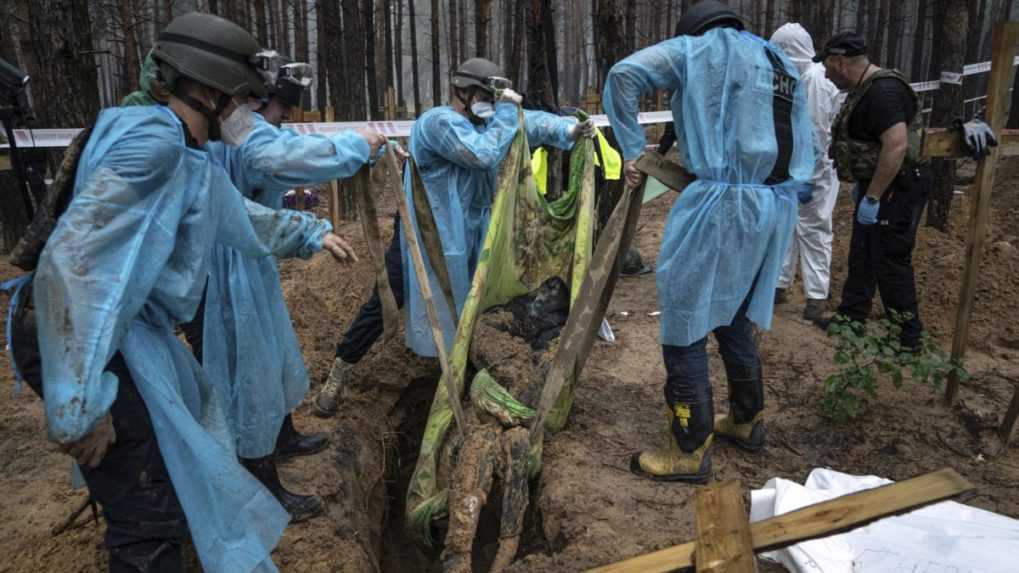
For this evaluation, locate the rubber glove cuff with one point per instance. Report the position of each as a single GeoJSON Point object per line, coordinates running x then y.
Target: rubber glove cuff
{"type": "Point", "coordinates": [866, 213]}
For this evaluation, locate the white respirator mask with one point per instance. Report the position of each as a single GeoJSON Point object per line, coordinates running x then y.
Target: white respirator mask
{"type": "Point", "coordinates": [483, 109]}
{"type": "Point", "coordinates": [236, 128]}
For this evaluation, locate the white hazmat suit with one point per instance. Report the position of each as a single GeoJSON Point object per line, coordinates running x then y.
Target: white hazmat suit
{"type": "Point", "coordinates": [811, 244]}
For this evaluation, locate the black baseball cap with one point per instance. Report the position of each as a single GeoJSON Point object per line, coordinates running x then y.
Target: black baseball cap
{"type": "Point", "coordinates": [843, 44]}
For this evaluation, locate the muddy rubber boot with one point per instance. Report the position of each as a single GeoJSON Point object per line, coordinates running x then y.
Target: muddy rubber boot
{"type": "Point", "coordinates": [814, 310]}
{"type": "Point", "coordinates": [673, 464]}
{"type": "Point", "coordinates": [300, 507]}
{"type": "Point", "coordinates": [291, 443]}
{"type": "Point", "coordinates": [685, 458]}
{"type": "Point", "coordinates": [335, 390]}
{"type": "Point", "coordinates": [781, 297]}
{"type": "Point", "coordinates": [744, 424]}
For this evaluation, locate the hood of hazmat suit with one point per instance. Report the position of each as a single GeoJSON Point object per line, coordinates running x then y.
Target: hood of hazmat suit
{"type": "Point", "coordinates": [811, 245]}
{"type": "Point", "coordinates": [126, 262]}
{"type": "Point", "coordinates": [458, 162]}
{"type": "Point", "coordinates": [740, 113]}
{"type": "Point", "coordinates": [250, 349]}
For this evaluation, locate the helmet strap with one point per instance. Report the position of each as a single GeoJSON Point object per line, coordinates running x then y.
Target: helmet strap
{"type": "Point", "coordinates": [211, 115]}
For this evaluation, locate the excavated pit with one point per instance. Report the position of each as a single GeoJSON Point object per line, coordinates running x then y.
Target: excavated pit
{"type": "Point", "coordinates": [378, 438]}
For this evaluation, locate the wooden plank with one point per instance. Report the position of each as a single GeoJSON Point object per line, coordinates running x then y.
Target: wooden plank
{"type": "Point", "coordinates": [1003, 44]}
{"type": "Point", "coordinates": [1008, 423]}
{"type": "Point", "coordinates": [334, 190]}
{"type": "Point", "coordinates": [724, 544]}
{"type": "Point", "coordinates": [818, 520]}
{"type": "Point", "coordinates": [944, 142]}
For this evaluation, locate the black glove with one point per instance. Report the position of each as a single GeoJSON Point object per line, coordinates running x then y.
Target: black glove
{"type": "Point", "coordinates": [978, 137]}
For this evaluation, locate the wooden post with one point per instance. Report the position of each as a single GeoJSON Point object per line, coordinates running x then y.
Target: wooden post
{"type": "Point", "coordinates": [1003, 42]}
{"type": "Point", "coordinates": [819, 520]}
{"type": "Point", "coordinates": [334, 192]}
{"type": "Point", "coordinates": [1007, 427]}
{"type": "Point", "coordinates": [724, 544]}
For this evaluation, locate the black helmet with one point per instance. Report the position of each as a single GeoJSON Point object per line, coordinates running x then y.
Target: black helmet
{"type": "Point", "coordinates": [211, 51]}
{"type": "Point", "coordinates": [706, 15]}
{"type": "Point", "coordinates": [480, 73]}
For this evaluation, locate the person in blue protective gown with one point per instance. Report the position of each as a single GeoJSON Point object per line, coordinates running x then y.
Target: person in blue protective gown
{"type": "Point", "coordinates": [457, 149]}
{"type": "Point", "coordinates": [242, 333]}
{"type": "Point", "coordinates": [741, 117]}
{"type": "Point", "coordinates": [93, 331]}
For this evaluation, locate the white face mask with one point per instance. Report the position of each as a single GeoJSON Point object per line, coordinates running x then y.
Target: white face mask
{"type": "Point", "coordinates": [236, 128]}
{"type": "Point", "coordinates": [483, 109]}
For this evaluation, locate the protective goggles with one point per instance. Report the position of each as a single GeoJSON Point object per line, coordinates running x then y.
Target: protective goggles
{"type": "Point", "coordinates": [297, 73]}
{"type": "Point", "coordinates": [491, 83]}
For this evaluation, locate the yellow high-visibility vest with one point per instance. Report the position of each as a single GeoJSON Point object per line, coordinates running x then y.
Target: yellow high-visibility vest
{"type": "Point", "coordinates": [612, 169]}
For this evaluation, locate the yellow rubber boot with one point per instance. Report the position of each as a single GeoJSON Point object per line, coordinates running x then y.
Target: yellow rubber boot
{"type": "Point", "coordinates": [673, 464]}
{"type": "Point", "coordinates": [748, 436]}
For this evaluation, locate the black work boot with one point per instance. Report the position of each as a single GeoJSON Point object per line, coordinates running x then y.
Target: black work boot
{"type": "Point", "coordinates": [814, 310]}
{"type": "Point", "coordinates": [291, 443]}
{"type": "Point", "coordinates": [300, 507]}
{"type": "Point", "coordinates": [744, 424]}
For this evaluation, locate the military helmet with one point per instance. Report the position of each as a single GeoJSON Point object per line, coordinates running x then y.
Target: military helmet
{"type": "Point", "coordinates": [211, 51]}
{"type": "Point", "coordinates": [480, 73]}
{"type": "Point", "coordinates": [706, 15]}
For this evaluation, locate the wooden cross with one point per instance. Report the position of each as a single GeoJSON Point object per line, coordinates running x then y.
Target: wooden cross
{"type": "Point", "coordinates": [726, 541]}
{"type": "Point", "coordinates": [948, 143]}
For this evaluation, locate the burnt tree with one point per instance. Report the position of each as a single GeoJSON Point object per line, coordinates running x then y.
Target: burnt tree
{"type": "Point", "coordinates": [951, 20]}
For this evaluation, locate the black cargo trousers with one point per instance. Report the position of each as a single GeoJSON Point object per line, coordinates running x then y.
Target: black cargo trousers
{"type": "Point", "coordinates": [145, 524]}
{"type": "Point", "coordinates": [881, 255]}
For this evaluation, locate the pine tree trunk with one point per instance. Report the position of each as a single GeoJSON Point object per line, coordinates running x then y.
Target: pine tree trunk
{"type": "Point", "coordinates": [131, 69]}
{"type": "Point", "coordinates": [631, 26]}
{"type": "Point", "coordinates": [389, 60]}
{"type": "Point", "coordinates": [454, 35]}
{"type": "Point", "coordinates": [951, 20]}
{"type": "Point", "coordinates": [769, 17]}
{"type": "Point", "coordinates": [875, 48]}
{"type": "Point", "coordinates": [414, 57]}
{"type": "Point", "coordinates": [436, 57]}
{"type": "Point", "coordinates": [482, 17]}
{"type": "Point", "coordinates": [517, 53]}
{"type": "Point", "coordinates": [609, 44]}
{"type": "Point", "coordinates": [260, 22]}
{"type": "Point", "coordinates": [919, 42]}
{"type": "Point", "coordinates": [398, 40]}
{"type": "Point", "coordinates": [507, 13]}
{"type": "Point", "coordinates": [368, 13]}
{"type": "Point", "coordinates": [894, 33]}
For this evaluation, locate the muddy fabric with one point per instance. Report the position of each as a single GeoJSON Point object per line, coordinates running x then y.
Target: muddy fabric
{"type": "Point", "coordinates": [528, 241]}
{"type": "Point", "coordinates": [458, 163]}
{"type": "Point", "coordinates": [126, 263]}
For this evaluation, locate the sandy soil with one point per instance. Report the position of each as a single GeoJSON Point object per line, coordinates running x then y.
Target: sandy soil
{"type": "Point", "coordinates": [591, 510]}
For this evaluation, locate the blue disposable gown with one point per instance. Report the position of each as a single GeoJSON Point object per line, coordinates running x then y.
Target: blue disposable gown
{"type": "Point", "coordinates": [727, 228]}
{"type": "Point", "coordinates": [458, 163]}
{"type": "Point", "coordinates": [126, 262]}
{"type": "Point", "coordinates": [250, 350]}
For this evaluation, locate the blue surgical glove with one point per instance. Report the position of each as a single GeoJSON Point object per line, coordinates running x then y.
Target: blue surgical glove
{"type": "Point", "coordinates": [805, 193]}
{"type": "Point", "coordinates": [866, 214]}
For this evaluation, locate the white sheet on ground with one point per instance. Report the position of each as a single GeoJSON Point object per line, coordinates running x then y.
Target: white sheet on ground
{"type": "Point", "coordinates": [947, 537]}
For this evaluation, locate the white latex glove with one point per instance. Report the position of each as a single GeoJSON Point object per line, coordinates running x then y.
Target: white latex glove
{"type": "Point", "coordinates": [584, 128]}
{"type": "Point", "coordinates": [511, 96]}
{"type": "Point", "coordinates": [339, 249]}
{"type": "Point", "coordinates": [633, 175]}
{"type": "Point", "coordinates": [375, 139]}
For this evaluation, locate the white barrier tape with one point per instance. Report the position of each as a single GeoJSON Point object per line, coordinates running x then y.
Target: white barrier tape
{"type": "Point", "coordinates": [41, 138]}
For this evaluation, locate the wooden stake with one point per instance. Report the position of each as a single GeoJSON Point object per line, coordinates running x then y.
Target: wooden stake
{"type": "Point", "coordinates": [334, 191]}
{"type": "Point", "coordinates": [818, 520]}
{"type": "Point", "coordinates": [724, 544]}
{"type": "Point", "coordinates": [1008, 423]}
{"type": "Point", "coordinates": [1003, 43]}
